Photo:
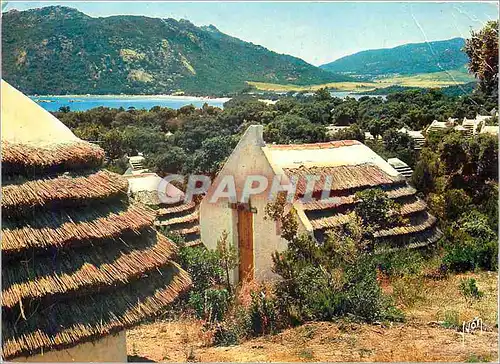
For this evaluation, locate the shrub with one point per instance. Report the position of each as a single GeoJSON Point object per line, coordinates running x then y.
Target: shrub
{"type": "Point", "coordinates": [211, 304]}
{"type": "Point", "coordinates": [451, 320]}
{"type": "Point", "coordinates": [471, 243]}
{"type": "Point", "coordinates": [400, 263]}
{"type": "Point", "coordinates": [376, 210]}
{"type": "Point", "coordinates": [408, 291]}
{"type": "Point", "coordinates": [469, 289]}
{"type": "Point", "coordinates": [324, 281]}
{"type": "Point", "coordinates": [203, 267]}
{"type": "Point", "coordinates": [225, 335]}
{"type": "Point", "coordinates": [362, 296]}
{"type": "Point", "coordinates": [263, 313]}
{"type": "Point", "coordinates": [235, 327]}
{"type": "Point", "coordinates": [211, 292]}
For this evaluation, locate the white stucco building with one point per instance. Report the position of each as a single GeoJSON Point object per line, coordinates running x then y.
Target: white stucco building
{"type": "Point", "coordinates": [349, 165]}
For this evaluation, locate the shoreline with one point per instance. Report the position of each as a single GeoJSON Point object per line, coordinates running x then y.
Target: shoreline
{"type": "Point", "coordinates": [110, 96]}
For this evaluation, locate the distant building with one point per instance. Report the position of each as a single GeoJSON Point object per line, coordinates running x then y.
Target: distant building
{"type": "Point", "coordinates": [369, 136]}
{"type": "Point", "coordinates": [351, 166]}
{"type": "Point", "coordinates": [490, 129]}
{"type": "Point", "coordinates": [333, 129]}
{"type": "Point", "coordinates": [469, 127]}
{"type": "Point", "coordinates": [437, 126]}
{"type": "Point", "coordinates": [79, 263]}
{"type": "Point", "coordinates": [460, 128]}
{"type": "Point", "coordinates": [178, 218]}
{"type": "Point", "coordinates": [416, 135]}
{"type": "Point", "coordinates": [401, 167]}
{"type": "Point", "coordinates": [473, 126]}
{"type": "Point", "coordinates": [136, 165]}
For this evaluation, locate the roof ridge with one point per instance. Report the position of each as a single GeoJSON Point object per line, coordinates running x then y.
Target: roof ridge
{"type": "Point", "coordinates": [320, 145]}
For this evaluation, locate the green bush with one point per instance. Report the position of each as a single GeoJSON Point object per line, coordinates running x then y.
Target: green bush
{"type": "Point", "coordinates": [451, 320]}
{"type": "Point", "coordinates": [263, 314]}
{"type": "Point", "coordinates": [471, 244]}
{"type": "Point", "coordinates": [211, 293]}
{"type": "Point", "coordinates": [225, 335]}
{"type": "Point", "coordinates": [203, 266]}
{"type": "Point", "coordinates": [469, 289]}
{"type": "Point", "coordinates": [329, 280]}
{"type": "Point", "coordinates": [400, 263]}
{"type": "Point", "coordinates": [211, 304]}
{"type": "Point", "coordinates": [362, 296]}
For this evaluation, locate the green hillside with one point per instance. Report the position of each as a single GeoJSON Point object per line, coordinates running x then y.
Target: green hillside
{"type": "Point", "coordinates": [407, 60]}
{"type": "Point", "coordinates": [59, 50]}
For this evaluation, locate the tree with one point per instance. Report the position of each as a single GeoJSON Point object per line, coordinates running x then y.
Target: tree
{"type": "Point", "coordinates": [400, 145]}
{"type": "Point", "coordinates": [228, 257]}
{"type": "Point", "coordinates": [351, 133]}
{"type": "Point", "coordinates": [212, 154]}
{"type": "Point", "coordinates": [291, 128]}
{"type": "Point", "coordinates": [452, 152]}
{"type": "Point", "coordinates": [376, 210]}
{"type": "Point", "coordinates": [322, 94]}
{"type": "Point", "coordinates": [426, 171]}
{"type": "Point", "coordinates": [482, 49]}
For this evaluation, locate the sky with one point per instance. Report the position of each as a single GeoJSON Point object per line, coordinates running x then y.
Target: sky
{"type": "Point", "coordinates": [318, 32]}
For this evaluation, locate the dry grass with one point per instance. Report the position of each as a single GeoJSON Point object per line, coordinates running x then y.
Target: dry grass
{"type": "Point", "coordinates": [418, 339]}
{"type": "Point", "coordinates": [338, 86]}
{"type": "Point", "coordinates": [425, 80]}
{"type": "Point", "coordinates": [442, 298]}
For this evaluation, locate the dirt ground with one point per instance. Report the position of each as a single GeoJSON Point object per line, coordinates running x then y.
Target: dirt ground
{"type": "Point", "coordinates": [421, 337]}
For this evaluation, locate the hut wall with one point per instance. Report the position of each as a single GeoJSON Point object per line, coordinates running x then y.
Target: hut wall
{"type": "Point", "coordinates": [247, 159]}
{"type": "Point", "coordinates": [112, 348]}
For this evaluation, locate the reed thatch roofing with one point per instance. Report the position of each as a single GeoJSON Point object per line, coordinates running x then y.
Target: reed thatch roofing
{"type": "Point", "coordinates": [23, 159]}
{"type": "Point", "coordinates": [78, 261]}
{"type": "Point", "coordinates": [92, 267]}
{"type": "Point", "coordinates": [180, 218]}
{"type": "Point", "coordinates": [346, 177]}
{"type": "Point", "coordinates": [419, 229]}
{"type": "Point", "coordinates": [49, 229]}
{"type": "Point", "coordinates": [64, 189]}
{"type": "Point", "coordinates": [92, 316]}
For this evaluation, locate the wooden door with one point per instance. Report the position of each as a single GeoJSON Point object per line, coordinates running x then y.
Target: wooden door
{"type": "Point", "coordinates": [245, 245]}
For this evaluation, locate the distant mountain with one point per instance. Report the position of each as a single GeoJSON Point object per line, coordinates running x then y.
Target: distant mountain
{"type": "Point", "coordinates": [408, 59]}
{"type": "Point", "coordinates": [59, 50]}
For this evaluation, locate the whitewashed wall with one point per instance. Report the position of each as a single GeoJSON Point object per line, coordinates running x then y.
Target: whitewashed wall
{"type": "Point", "coordinates": [111, 348]}
{"type": "Point", "coordinates": [246, 159]}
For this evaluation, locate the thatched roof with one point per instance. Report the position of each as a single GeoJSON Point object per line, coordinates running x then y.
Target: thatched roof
{"type": "Point", "coordinates": [78, 261]}
{"type": "Point", "coordinates": [347, 177]}
{"type": "Point", "coordinates": [420, 230]}
{"type": "Point", "coordinates": [179, 218]}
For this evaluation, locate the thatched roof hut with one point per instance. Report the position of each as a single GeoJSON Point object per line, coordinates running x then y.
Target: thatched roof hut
{"type": "Point", "coordinates": [179, 218]}
{"type": "Point", "coordinates": [78, 261]}
{"type": "Point", "coordinates": [341, 169]}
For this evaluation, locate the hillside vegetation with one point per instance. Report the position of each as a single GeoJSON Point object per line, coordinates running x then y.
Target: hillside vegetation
{"type": "Point", "coordinates": [408, 59]}
{"type": "Point", "coordinates": [59, 50]}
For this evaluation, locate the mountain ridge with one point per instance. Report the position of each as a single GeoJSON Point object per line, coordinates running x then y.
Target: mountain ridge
{"type": "Point", "coordinates": [406, 59]}
{"type": "Point", "coordinates": [60, 50]}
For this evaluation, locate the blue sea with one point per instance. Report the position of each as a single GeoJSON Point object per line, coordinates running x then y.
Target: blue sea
{"type": "Point", "coordinates": [82, 103]}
